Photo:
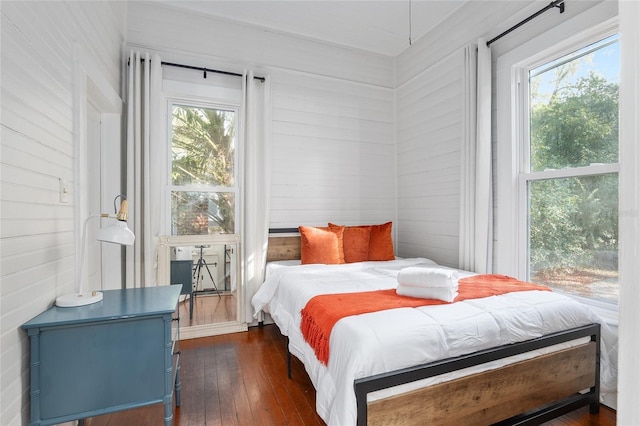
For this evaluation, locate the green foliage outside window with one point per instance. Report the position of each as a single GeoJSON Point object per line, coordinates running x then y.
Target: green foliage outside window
{"type": "Point", "coordinates": [573, 221]}
{"type": "Point", "coordinates": [203, 152]}
{"type": "Point", "coordinates": [577, 127]}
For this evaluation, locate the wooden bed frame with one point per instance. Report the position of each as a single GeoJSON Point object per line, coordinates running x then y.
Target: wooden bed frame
{"type": "Point", "coordinates": [524, 393]}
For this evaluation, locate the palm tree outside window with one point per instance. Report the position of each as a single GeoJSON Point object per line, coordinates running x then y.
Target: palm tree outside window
{"type": "Point", "coordinates": [203, 170]}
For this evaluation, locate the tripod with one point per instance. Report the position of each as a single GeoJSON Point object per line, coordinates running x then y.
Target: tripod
{"type": "Point", "coordinates": [198, 273]}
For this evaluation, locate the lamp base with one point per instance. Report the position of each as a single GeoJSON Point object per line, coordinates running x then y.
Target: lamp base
{"type": "Point", "coordinates": [78, 299]}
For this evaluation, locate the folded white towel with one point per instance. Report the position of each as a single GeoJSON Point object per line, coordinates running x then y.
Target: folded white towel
{"type": "Point", "coordinates": [446, 294]}
{"type": "Point", "coordinates": [414, 276]}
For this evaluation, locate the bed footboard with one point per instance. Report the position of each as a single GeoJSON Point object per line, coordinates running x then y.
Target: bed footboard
{"type": "Point", "coordinates": [526, 392]}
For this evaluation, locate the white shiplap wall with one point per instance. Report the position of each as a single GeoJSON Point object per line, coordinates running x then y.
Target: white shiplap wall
{"type": "Point", "coordinates": [473, 20]}
{"type": "Point", "coordinates": [429, 132]}
{"type": "Point", "coordinates": [333, 123]}
{"type": "Point", "coordinates": [233, 46]}
{"type": "Point", "coordinates": [333, 152]}
{"type": "Point", "coordinates": [37, 230]}
{"type": "Point", "coordinates": [429, 123]}
{"type": "Point", "coordinates": [429, 114]}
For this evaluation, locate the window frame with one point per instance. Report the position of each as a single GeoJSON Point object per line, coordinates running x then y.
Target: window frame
{"type": "Point", "coordinates": [235, 189]}
{"type": "Point", "coordinates": [524, 174]}
{"type": "Point", "coordinates": [510, 235]}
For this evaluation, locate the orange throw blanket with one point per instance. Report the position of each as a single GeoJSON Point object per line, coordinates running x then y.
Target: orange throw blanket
{"type": "Point", "coordinates": [322, 312]}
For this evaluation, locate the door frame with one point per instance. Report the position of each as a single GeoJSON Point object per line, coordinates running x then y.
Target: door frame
{"type": "Point", "coordinates": [92, 87]}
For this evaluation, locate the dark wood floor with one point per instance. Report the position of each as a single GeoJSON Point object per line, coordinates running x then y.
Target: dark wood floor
{"type": "Point", "coordinates": [208, 309]}
{"type": "Point", "coordinates": [241, 379]}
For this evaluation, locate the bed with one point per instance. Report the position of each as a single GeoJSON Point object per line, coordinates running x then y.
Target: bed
{"type": "Point", "coordinates": [520, 358]}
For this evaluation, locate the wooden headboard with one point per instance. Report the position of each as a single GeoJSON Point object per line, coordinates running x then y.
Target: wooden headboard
{"type": "Point", "coordinates": [285, 247]}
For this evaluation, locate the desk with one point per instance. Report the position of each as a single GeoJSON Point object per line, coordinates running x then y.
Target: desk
{"type": "Point", "coordinates": [113, 355]}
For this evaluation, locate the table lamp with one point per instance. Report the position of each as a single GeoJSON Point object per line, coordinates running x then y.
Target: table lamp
{"type": "Point", "coordinates": [117, 233]}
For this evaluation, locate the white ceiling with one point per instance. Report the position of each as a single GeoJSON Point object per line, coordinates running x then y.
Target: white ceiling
{"type": "Point", "coordinates": [380, 26]}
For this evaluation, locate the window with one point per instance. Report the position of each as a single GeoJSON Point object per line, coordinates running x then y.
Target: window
{"type": "Point", "coordinates": [568, 181]}
{"type": "Point", "coordinates": [204, 183]}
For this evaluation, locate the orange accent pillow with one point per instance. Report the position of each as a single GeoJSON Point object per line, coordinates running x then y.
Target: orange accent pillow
{"type": "Point", "coordinates": [381, 243]}
{"type": "Point", "coordinates": [321, 245]}
{"type": "Point", "coordinates": [356, 243]}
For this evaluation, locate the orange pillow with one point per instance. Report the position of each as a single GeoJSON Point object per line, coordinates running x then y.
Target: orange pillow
{"type": "Point", "coordinates": [321, 245]}
{"type": "Point", "coordinates": [381, 243]}
{"type": "Point", "coordinates": [356, 242]}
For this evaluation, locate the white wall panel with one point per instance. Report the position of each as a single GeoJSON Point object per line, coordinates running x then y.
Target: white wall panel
{"type": "Point", "coordinates": [481, 19]}
{"type": "Point", "coordinates": [37, 238]}
{"type": "Point", "coordinates": [429, 132]}
{"type": "Point", "coordinates": [425, 202]}
{"type": "Point", "coordinates": [474, 19]}
{"type": "Point", "coordinates": [333, 119]}
{"type": "Point", "coordinates": [235, 46]}
{"type": "Point", "coordinates": [428, 111]}
{"type": "Point", "coordinates": [333, 152]}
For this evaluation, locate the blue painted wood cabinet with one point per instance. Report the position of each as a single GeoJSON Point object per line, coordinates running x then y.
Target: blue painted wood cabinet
{"type": "Point", "coordinates": [113, 355]}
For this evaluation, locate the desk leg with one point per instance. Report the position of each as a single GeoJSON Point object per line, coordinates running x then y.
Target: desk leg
{"type": "Point", "coordinates": [178, 383]}
{"type": "Point", "coordinates": [168, 413]}
{"type": "Point", "coordinates": [168, 372]}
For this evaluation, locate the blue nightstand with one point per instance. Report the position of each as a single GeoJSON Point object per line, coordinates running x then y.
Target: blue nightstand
{"type": "Point", "coordinates": [113, 355]}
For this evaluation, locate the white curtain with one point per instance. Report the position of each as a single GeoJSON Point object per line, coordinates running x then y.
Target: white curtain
{"type": "Point", "coordinates": [476, 203]}
{"type": "Point", "coordinates": [468, 163]}
{"type": "Point", "coordinates": [257, 183]}
{"type": "Point", "coordinates": [145, 159]}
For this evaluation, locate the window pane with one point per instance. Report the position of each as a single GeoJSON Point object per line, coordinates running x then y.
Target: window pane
{"type": "Point", "coordinates": [196, 213]}
{"type": "Point", "coordinates": [573, 233]}
{"type": "Point", "coordinates": [202, 146]}
{"type": "Point", "coordinates": [574, 108]}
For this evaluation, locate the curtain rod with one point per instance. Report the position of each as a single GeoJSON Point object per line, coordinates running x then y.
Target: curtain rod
{"type": "Point", "coordinates": [203, 69]}
{"type": "Point", "coordinates": [557, 3]}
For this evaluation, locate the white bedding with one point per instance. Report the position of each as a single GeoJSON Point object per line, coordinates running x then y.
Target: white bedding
{"type": "Point", "coordinates": [368, 344]}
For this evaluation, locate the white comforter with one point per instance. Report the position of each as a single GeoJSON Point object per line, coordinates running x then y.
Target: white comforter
{"type": "Point", "coordinates": [373, 343]}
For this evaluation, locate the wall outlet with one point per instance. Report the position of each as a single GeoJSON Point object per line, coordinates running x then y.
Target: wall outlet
{"type": "Point", "coordinates": [64, 190]}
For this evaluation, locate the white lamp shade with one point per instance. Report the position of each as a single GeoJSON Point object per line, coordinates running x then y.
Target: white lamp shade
{"type": "Point", "coordinates": [118, 233]}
